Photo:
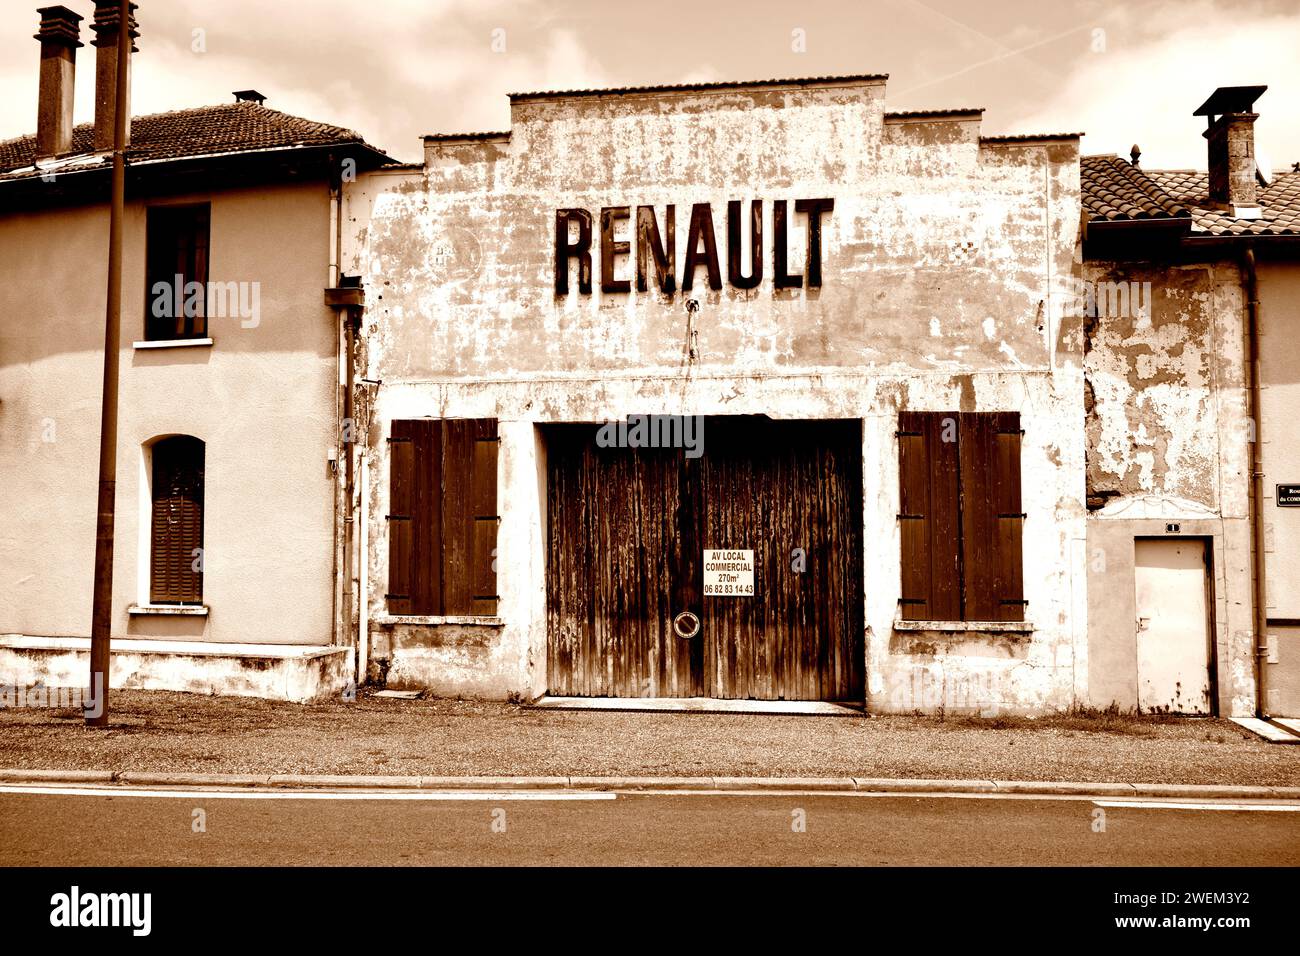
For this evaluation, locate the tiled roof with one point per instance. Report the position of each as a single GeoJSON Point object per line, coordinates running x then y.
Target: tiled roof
{"type": "Point", "coordinates": [228, 128]}
{"type": "Point", "coordinates": [1280, 200]}
{"type": "Point", "coordinates": [720, 85]}
{"type": "Point", "coordinates": [1113, 191]}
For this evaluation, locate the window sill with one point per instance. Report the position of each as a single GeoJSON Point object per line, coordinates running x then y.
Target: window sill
{"type": "Point", "coordinates": [169, 610]}
{"type": "Point", "coordinates": [984, 627]}
{"type": "Point", "coordinates": [172, 343]}
{"type": "Point", "coordinates": [472, 620]}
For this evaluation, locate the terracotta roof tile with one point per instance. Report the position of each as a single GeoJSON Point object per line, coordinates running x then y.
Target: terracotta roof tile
{"type": "Point", "coordinates": [1113, 191]}
{"type": "Point", "coordinates": [1280, 200]}
{"type": "Point", "coordinates": [227, 128]}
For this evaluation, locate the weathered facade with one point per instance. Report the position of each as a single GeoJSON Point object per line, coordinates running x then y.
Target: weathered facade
{"type": "Point", "coordinates": [1190, 404]}
{"type": "Point", "coordinates": [747, 391]}
{"type": "Point", "coordinates": [944, 260]}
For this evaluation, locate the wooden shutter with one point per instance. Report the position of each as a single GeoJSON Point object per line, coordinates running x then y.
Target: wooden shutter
{"type": "Point", "coordinates": [427, 517]}
{"type": "Point", "coordinates": [401, 481]}
{"type": "Point", "coordinates": [991, 517]}
{"type": "Point", "coordinates": [176, 546]}
{"type": "Point", "coordinates": [483, 502]}
{"type": "Point", "coordinates": [469, 482]}
{"type": "Point", "coordinates": [443, 517]}
{"type": "Point", "coordinates": [928, 517]}
{"type": "Point", "coordinates": [1008, 546]}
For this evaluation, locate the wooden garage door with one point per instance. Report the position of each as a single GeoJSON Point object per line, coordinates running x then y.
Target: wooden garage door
{"type": "Point", "coordinates": [627, 530]}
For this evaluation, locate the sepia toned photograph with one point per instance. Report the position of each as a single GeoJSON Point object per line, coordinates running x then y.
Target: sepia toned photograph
{"type": "Point", "coordinates": [646, 442]}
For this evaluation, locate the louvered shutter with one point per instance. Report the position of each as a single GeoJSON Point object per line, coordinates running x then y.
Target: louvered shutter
{"type": "Point", "coordinates": [176, 546]}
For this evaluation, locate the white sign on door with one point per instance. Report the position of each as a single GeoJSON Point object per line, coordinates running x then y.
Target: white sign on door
{"type": "Point", "coordinates": [728, 573]}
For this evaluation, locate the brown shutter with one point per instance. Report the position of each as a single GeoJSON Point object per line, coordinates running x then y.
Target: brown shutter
{"type": "Point", "coordinates": [469, 507]}
{"type": "Point", "coordinates": [483, 501]}
{"type": "Point", "coordinates": [401, 480]}
{"type": "Point", "coordinates": [427, 571]}
{"type": "Point", "coordinates": [978, 522]}
{"type": "Point", "coordinates": [442, 529]}
{"type": "Point", "coordinates": [1008, 553]}
{"type": "Point", "coordinates": [928, 518]}
{"type": "Point", "coordinates": [176, 545]}
{"type": "Point", "coordinates": [991, 518]}
{"type": "Point", "coordinates": [458, 517]}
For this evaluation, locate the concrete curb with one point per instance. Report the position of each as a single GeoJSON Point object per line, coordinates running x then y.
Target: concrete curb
{"type": "Point", "coordinates": [133, 778]}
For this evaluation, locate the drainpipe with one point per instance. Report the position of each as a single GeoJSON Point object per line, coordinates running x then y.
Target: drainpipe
{"type": "Point", "coordinates": [1256, 480]}
{"type": "Point", "coordinates": [348, 301]}
{"type": "Point", "coordinates": [351, 317]}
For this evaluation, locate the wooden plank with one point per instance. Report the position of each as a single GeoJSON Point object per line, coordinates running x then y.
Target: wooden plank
{"type": "Point", "coordinates": [943, 448]}
{"type": "Point", "coordinates": [426, 511]}
{"type": "Point", "coordinates": [457, 516]}
{"type": "Point", "coordinates": [483, 504]}
{"type": "Point", "coordinates": [1008, 547]}
{"type": "Point", "coordinates": [980, 598]}
{"type": "Point", "coordinates": [401, 457]}
{"type": "Point", "coordinates": [914, 517]}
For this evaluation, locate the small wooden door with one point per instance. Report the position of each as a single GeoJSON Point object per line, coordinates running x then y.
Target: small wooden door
{"type": "Point", "coordinates": [627, 531]}
{"type": "Point", "coordinates": [1174, 655]}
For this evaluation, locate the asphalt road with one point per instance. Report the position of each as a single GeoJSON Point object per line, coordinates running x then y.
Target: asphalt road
{"type": "Point", "coordinates": [120, 829]}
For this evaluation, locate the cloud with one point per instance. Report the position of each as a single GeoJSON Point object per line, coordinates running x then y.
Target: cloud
{"type": "Point", "coordinates": [1157, 69]}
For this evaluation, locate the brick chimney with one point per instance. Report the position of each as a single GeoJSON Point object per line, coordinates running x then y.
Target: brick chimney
{"type": "Point", "coordinates": [106, 26]}
{"type": "Point", "coordinates": [60, 35]}
{"type": "Point", "coordinates": [1231, 142]}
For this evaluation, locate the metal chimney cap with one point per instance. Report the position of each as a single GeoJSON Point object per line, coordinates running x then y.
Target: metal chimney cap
{"type": "Point", "coordinates": [249, 96]}
{"type": "Point", "coordinates": [1230, 99]}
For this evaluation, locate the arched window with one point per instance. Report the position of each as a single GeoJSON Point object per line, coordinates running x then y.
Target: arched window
{"type": "Point", "coordinates": [176, 541]}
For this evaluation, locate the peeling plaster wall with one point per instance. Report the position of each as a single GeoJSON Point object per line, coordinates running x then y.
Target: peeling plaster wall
{"type": "Point", "coordinates": [1167, 431]}
{"type": "Point", "coordinates": [943, 262]}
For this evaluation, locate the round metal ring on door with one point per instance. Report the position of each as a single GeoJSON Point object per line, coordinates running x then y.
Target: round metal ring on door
{"type": "Point", "coordinates": [686, 625]}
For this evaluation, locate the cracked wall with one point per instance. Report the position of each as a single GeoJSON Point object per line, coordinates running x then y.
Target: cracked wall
{"type": "Point", "coordinates": [943, 260]}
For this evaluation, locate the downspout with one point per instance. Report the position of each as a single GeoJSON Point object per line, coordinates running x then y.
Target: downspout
{"type": "Point", "coordinates": [1256, 479]}
{"type": "Point", "coordinates": [332, 280]}
{"type": "Point", "coordinates": [351, 318]}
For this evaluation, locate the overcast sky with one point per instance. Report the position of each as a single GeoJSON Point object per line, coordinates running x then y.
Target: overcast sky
{"type": "Point", "coordinates": [1123, 71]}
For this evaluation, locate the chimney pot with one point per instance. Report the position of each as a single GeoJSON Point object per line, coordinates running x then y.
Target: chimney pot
{"type": "Point", "coordinates": [1230, 139]}
{"type": "Point", "coordinates": [60, 35]}
{"type": "Point", "coordinates": [106, 26]}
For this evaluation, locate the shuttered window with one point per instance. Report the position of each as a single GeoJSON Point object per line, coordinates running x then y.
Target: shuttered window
{"type": "Point", "coordinates": [960, 517]}
{"type": "Point", "coordinates": [176, 530]}
{"type": "Point", "coordinates": [442, 524]}
{"type": "Point", "coordinates": [176, 250]}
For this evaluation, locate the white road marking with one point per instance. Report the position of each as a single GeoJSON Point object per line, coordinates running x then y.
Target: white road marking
{"type": "Point", "coordinates": [198, 794]}
{"type": "Point", "coordinates": [1143, 805]}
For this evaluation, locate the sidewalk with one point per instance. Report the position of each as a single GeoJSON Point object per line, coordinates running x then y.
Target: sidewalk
{"type": "Point", "coordinates": [183, 733]}
{"type": "Point", "coordinates": [173, 732]}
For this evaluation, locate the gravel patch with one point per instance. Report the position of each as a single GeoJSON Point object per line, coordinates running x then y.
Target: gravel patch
{"type": "Point", "coordinates": [169, 732]}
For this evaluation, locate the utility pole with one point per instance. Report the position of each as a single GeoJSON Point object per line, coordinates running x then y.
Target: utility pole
{"type": "Point", "coordinates": [102, 605]}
